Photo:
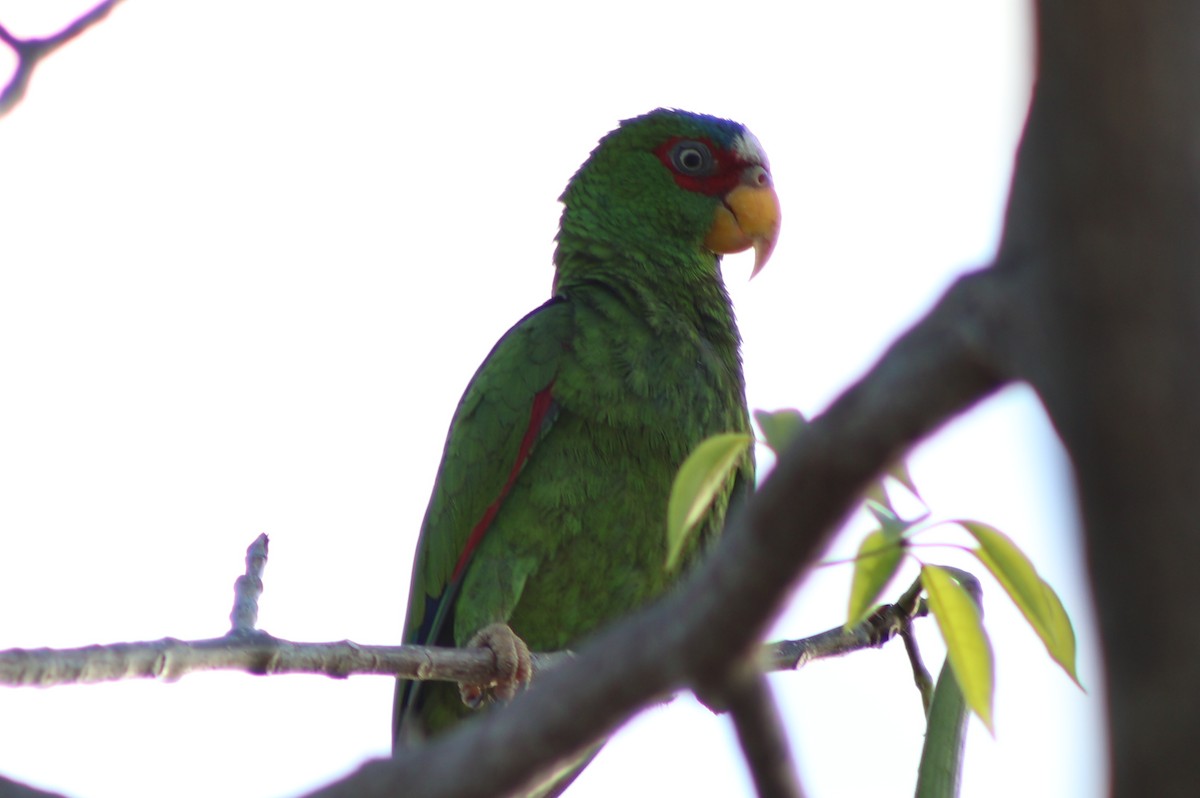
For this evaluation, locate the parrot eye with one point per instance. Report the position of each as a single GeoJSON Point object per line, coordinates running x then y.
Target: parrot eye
{"type": "Point", "coordinates": [692, 158]}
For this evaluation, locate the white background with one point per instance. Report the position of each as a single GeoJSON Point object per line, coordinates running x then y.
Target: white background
{"type": "Point", "coordinates": [251, 252]}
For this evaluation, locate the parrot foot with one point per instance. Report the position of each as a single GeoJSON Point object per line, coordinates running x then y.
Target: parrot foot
{"type": "Point", "coordinates": [513, 662]}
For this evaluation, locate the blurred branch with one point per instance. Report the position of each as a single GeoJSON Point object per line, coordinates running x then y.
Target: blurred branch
{"type": "Point", "coordinates": [15, 789]}
{"type": "Point", "coordinates": [761, 734]}
{"type": "Point", "coordinates": [31, 51]}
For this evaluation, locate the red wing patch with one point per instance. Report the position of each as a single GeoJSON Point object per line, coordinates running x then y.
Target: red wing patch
{"type": "Point", "coordinates": [542, 402]}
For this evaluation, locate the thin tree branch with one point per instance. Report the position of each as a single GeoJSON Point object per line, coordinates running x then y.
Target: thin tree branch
{"type": "Point", "coordinates": [263, 654]}
{"type": "Point", "coordinates": [255, 651]}
{"type": "Point", "coordinates": [248, 649]}
{"type": "Point", "coordinates": [921, 675]}
{"type": "Point", "coordinates": [880, 627]}
{"type": "Point", "coordinates": [31, 51]}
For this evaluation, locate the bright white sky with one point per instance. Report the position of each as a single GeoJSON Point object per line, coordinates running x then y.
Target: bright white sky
{"type": "Point", "coordinates": [253, 251]}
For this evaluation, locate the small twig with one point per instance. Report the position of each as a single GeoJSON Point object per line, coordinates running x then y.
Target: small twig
{"type": "Point", "coordinates": [762, 737]}
{"type": "Point", "coordinates": [248, 588]}
{"type": "Point", "coordinates": [921, 675]}
{"type": "Point", "coordinates": [880, 627]}
{"type": "Point", "coordinates": [31, 51]}
{"type": "Point", "coordinates": [912, 606]}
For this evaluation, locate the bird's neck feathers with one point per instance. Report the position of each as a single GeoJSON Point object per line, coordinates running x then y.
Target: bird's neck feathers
{"type": "Point", "coordinates": [670, 290]}
{"type": "Point", "coordinates": [640, 235]}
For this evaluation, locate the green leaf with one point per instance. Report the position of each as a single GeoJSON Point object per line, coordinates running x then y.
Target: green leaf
{"type": "Point", "coordinates": [1037, 600]}
{"type": "Point", "coordinates": [1059, 628]}
{"type": "Point", "coordinates": [967, 644]}
{"type": "Point", "coordinates": [876, 563]}
{"type": "Point", "coordinates": [779, 428]}
{"type": "Point", "coordinates": [886, 517]}
{"type": "Point", "coordinates": [703, 473]}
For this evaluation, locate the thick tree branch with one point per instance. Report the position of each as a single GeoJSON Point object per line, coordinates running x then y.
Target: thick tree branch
{"type": "Point", "coordinates": [1106, 205]}
{"type": "Point", "coordinates": [697, 634]}
{"type": "Point", "coordinates": [31, 51]}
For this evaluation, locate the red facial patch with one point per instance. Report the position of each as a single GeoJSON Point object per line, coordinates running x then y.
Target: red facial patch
{"type": "Point", "coordinates": [725, 174]}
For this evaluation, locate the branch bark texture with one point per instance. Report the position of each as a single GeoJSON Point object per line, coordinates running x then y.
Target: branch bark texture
{"type": "Point", "coordinates": [257, 652]}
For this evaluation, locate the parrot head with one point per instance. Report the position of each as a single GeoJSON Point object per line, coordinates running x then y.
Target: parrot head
{"type": "Point", "coordinates": [670, 182]}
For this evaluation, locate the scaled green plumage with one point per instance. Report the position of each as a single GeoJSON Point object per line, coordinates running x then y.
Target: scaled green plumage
{"type": "Point", "coordinates": [562, 451]}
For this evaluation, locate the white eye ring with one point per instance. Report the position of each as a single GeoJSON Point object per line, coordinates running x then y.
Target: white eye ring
{"type": "Point", "coordinates": [692, 158]}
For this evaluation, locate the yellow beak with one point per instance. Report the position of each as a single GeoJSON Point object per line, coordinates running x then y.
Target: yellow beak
{"type": "Point", "coordinates": [749, 217]}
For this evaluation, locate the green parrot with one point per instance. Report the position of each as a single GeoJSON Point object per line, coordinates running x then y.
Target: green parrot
{"type": "Point", "coordinates": [548, 514]}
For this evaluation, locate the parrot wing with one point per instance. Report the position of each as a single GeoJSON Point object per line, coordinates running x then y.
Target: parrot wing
{"type": "Point", "coordinates": [506, 409]}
